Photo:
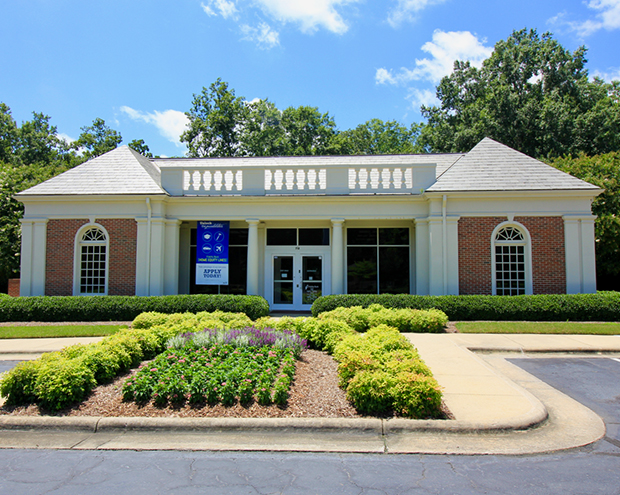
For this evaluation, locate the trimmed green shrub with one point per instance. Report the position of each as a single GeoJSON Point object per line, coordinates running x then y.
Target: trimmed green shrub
{"type": "Point", "coordinates": [124, 308]}
{"type": "Point", "coordinates": [61, 382]}
{"type": "Point", "coordinates": [405, 320]}
{"type": "Point", "coordinates": [602, 306]}
{"type": "Point", "coordinates": [379, 369]}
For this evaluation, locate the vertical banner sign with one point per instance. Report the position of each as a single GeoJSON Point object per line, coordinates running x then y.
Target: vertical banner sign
{"type": "Point", "coordinates": [212, 253]}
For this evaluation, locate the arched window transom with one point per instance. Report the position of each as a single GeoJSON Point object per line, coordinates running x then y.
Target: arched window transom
{"type": "Point", "coordinates": [510, 262]}
{"type": "Point", "coordinates": [92, 262]}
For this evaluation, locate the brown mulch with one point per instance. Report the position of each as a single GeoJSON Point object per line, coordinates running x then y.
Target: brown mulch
{"type": "Point", "coordinates": [314, 394]}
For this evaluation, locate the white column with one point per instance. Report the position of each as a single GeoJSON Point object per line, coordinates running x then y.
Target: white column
{"type": "Point", "coordinates": [588, 283]}
{"type": "Point", "coordinates": [157, 264]}
{"type": "Point", "coordinates": [422, 260]}
{"type": "Point", "coordinates": [452, 255]}
{"type": "Point", "coordinates": [338, 269]}
{"type": "Point", "coordinates": [142, 257]}
{"type": "Point", "coordinates": [436, 256]}
{"type": "Point", "coordinates": [33, 257]}
{"type": "Point", "coordinates": [253, 258]}
{"type": "Point", "coordinates": [579, 254]}
{"type": "Point", "coordinates": [171, 257]}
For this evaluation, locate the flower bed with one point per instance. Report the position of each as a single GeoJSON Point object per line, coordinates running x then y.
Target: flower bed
{"type": "Point", "coordinates": [219, 374]}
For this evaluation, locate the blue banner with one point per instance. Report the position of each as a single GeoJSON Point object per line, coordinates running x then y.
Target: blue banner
{"type": "Point", "coordinates": [212, 253]}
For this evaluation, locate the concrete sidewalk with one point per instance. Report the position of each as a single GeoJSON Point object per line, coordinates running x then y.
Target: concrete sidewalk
{"type": "Point", "coordinates": [498, 409]}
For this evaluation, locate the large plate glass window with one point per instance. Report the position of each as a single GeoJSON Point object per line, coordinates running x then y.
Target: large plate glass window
{"type": "Point", "coordinates": [378, 261]}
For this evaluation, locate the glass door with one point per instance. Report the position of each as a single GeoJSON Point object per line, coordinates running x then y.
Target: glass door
{"type": "Point", "coordinates": [311, 278]}
{"type": "Point", "coordinates": [283, 280]}
{"type": "Point", "coordinates": [297, 281]}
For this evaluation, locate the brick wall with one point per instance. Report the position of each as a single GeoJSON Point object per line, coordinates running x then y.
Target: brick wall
{"type": "Point", "coordinates": [13, 289]}
{"type": "Point", "coordinates": [121, 256]}
{"type": "Point", "coordinates": [548, 257]}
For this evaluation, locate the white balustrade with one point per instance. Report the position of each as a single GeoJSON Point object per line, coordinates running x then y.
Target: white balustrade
{"type": "Point", "coordinates": [296, 180]}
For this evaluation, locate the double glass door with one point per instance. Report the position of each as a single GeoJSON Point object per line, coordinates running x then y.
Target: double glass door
{"type": "Point", "coordinates": [297, 280]}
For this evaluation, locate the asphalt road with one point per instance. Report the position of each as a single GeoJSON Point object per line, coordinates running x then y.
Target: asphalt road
{"type": "Point", "coordinates": [592, 469]}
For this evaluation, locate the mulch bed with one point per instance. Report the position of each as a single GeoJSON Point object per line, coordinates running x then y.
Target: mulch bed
{"type": "Point", "coordinates": [314, 394]}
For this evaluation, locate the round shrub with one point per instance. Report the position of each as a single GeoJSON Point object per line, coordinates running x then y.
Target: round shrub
{"type": "Point", "coordinates": [416, 396]}
{"type": "Point", "coordinates": [62, 382]}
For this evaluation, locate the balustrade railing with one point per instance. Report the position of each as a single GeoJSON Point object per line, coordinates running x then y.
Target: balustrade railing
{"type": "Point", "coordinates": [296, 180]}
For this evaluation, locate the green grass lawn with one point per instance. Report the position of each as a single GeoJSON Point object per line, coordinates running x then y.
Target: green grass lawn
{"type": "Point", "coordinates": [26, 332]}
{"type": "Point", "coordinates": [550, 327]}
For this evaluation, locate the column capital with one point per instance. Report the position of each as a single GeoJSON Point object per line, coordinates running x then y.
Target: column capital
{"type": "Point", "coordinates": [252, 221]}
{"type": "Point", "coordinates": [337, 221]}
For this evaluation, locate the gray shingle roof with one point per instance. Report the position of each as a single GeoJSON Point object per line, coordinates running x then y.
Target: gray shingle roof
{"type": "Point", "coordinates": [492, 166]}
{"type": "Point", "coordinates": [120, 171]}
{"type": "Point", "coordinates": [489, 166]}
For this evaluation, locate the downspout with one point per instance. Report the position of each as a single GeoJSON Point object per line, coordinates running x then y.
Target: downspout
{"type": "Point", "coordinates": [444, 237]}
{"type": "Point", "coordinates": [148, 246]}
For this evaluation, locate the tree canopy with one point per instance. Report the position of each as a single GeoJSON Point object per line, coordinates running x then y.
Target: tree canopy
{"type": "Point", "coordinates": [530, 94]}
{"type": "Point", "coordinates": [97, 139]}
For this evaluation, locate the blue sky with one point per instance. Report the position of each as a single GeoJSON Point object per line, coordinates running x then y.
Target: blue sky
{"type": "Point", "coordinates": [137, 63]}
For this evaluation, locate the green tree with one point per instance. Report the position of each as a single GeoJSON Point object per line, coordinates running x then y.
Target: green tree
{"type": "Point", "coordinates": [308, 132]}
{"type": "Point", "coordinates": [9, 135]}
{"type": "Point", "coordinates": [530, 94]}
{"type": "Point", "coordinates": [602, 171]}
{"type": "Point", "coordinates": [97, 139]}
{"type": "Point", "coordinates": [216, 121]}
{"type": "Point", "coordinates": [141, 147]}
{"type": "Point", "coordinates": [14, 179]}
{"type": "Point", "coordinates": [262, 133]}
{"type": "Point", "coordinates": [377, 137]}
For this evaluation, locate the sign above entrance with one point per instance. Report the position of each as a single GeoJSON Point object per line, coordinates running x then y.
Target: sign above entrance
{"type": "Point", "coordinates": [212, 253]}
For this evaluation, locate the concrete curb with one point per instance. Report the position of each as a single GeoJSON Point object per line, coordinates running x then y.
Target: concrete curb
{"type": "Point", "coordinates": [97, 424]}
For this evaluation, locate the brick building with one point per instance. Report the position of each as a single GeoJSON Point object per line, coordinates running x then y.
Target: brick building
{"type": "Point", "coordinates": [491, 221]}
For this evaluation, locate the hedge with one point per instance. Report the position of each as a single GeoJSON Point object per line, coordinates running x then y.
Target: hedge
{"type": "Point", "coordinates": [602, 306]}
{"type": "Point", "coordinates": [124, 308]}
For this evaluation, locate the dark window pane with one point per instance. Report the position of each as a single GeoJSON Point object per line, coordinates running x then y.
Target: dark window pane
{"type": "Point", "coordinates": [193, 237]}
{"type": "Point", "coordinates": [394, 270]}
{"type": "Point", "coordinates": [362, 237]}
{"type": "Point", "coordinates": [314, 237]}
{"type": "Point", "coordinates": [238, 237]}
{"type": "Point", "coordinates": [392, 237]}
{"type": "Point", "coordinates": [312, 268]}
{"type": "Point", "coordinates": [362, 270]}
{"type": "Point", "coordinates": [282, 237]}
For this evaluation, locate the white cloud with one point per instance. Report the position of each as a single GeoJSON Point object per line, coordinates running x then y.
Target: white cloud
{"type": "Point", "coordinates": [310, 14]}
{"type": "Point", "coordinates": [65, 137]}
{"type": "Point", "coordinates": [170, 123]}
{"type": "Point", "coordinates": [263, 35]}
{"type": "Point", "coordinates": [407, 10]}
{"type": "Point", "coordinates": [419, 97]}
{"type": "Point", "coordinates": [445, 48]}
{"type": "Point", "coordinates": [228, 10]}
{"type": "Point", "coordinates": [384, 76]}
{"type": "Point", "coordinates": [607, 17]}
{"type": "Point", "coordinates": [613, 75]}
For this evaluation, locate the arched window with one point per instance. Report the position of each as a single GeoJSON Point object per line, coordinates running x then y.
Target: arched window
{"type": "Point", "coordinates": [91, 262]}
{"type": "Point", "coordinates": [512, 266]}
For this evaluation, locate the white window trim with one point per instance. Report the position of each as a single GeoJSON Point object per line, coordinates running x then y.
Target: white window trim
{"type": "Point", "coordinates": [527, 243]}
{"type": "Point", "coordinates": [77, 243]}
